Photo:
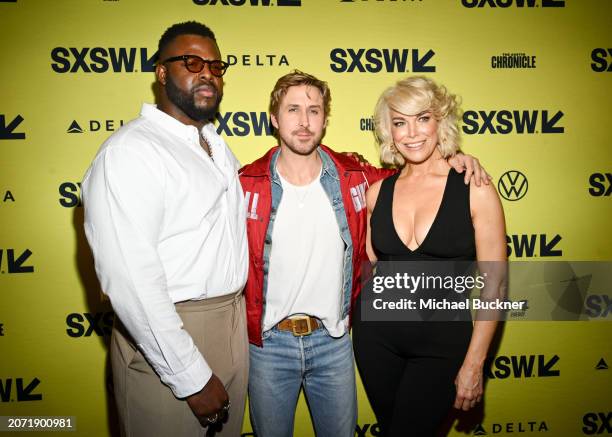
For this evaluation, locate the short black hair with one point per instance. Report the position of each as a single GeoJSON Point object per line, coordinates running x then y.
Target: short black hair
{"type": "Point", "coordinates": [185, 28]}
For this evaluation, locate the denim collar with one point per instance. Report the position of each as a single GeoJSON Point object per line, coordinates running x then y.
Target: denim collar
{"type": "Point", "coordinates": [329, 168]}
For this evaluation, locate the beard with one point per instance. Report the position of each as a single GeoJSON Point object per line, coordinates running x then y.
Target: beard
{"type": "Point", "coordinates": [185, 101]}
{"type": "Point", "coordinates": [302, 148]}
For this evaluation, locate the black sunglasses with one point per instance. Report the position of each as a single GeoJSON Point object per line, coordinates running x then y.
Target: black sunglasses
{"type": "Point", "coordinates": [195, 64]}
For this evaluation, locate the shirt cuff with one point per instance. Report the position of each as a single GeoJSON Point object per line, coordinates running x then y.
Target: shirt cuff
{"type": "Point", "coordinates": [189, 381]}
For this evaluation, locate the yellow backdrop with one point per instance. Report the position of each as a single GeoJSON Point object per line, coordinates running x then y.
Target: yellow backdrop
{"type": "Point", "coordinates": [536, 86]}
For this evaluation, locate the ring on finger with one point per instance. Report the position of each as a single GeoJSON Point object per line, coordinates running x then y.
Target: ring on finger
{"type": "Point", "coordinates": [227, 406]}
{"type": "Point", "coordinates": [213, 419]}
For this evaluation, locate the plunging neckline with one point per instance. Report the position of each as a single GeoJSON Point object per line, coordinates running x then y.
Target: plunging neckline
{"type": "Point", "coordinates": [433, 223]}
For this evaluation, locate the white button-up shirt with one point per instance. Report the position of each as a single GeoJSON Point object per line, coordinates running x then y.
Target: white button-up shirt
{"type": "Point", "coordinates": [165, 224]}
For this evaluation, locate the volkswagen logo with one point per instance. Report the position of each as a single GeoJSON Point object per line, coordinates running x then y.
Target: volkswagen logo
{"type": "Point", "coordinates": [512, 185]}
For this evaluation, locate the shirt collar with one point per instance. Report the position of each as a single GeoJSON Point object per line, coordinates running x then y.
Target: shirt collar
{"type": "Point", "coordinates": [184, 131]}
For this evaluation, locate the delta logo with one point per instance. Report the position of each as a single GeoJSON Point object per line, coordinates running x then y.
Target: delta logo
{"type": "Point", "coordinates": [508, 121]}
{"type": "Point", "coordinates": [102, 60]}
{"type": "Point", "coordinates": [513, 3]}
{"type": "Point", "coordinates": [94, 126]}
{"type": "Point", "coordinates": [248, 2]}
{"type": "Point", "coordinates": [258, 60]}
{"type": "Point", "coordinates": [376, 60]}
{"type": "Point", "coordinates": [511, 427]}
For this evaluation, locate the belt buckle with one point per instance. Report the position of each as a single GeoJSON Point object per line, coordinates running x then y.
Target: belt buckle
{"type": "Point", "coordinates": [298, 324]}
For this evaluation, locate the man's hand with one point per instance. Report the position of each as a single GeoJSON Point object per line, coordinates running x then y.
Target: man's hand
{"type": "Point", "coordinates": [362, 161]}
{"type": "Point", "coordinates": [210, 405]}
{"type": "Point", "coordinates": [472, 167]}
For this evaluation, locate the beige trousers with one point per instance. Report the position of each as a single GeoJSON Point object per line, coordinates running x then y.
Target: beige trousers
{"type": "Point", "coordinates": [148, 408]}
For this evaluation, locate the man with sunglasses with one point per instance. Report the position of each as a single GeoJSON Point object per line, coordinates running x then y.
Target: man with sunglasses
{"type": "Point", "coordinates": [165, 219]}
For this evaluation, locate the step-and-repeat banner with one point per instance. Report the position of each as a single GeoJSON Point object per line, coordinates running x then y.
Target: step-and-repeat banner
{"type": "Point", "coordinates": [536, 83]}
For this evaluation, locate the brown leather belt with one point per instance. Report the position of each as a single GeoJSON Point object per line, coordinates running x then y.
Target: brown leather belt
{"type": "Point", "coordinates": [299, 325]}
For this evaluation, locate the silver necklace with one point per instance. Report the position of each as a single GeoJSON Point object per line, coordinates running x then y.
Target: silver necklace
{"type": "Point", "coordinates": [301, 192]}
{"type": "Point", "coordinates": [209, 152]}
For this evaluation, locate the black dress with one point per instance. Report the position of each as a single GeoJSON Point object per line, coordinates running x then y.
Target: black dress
{"type": "Point", "coordinates": [408, 368]}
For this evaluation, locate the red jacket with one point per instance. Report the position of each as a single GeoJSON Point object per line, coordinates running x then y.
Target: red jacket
{"type": "Point", "coordinates": [256, 184]}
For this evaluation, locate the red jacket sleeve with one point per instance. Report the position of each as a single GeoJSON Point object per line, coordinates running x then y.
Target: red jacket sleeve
{"type": "Point", "coordinates": [374, 174]}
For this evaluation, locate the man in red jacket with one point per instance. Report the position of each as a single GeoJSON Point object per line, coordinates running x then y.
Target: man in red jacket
{"type": "Point", "coordinates": [306, 226]}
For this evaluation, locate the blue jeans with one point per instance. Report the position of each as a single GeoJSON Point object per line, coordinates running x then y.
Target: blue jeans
{"type": "Point", "coordinates": [322, 364]}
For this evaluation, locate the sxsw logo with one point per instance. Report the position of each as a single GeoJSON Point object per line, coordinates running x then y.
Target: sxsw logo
{"type": "Point", "coordinates": [533, 245]}
{"type": "Point", "coordinates": [602, 60]}
{"type": "Point", "coordinates": [248, 2]}
{"type": "Point", "coordinates": [94, 126]}
{"type": "Point", "coordinates": [513, 185]}
{"type": "Point", "coordinates": [512, 427]}
{"type": "Point", "coordinates": [86, 324]}
{"type": "Point", "coordinates": [508, 121]}
{"type": "Point", "coordinates": [375, 60]}
{"type": "Point", "coordinates": [598, 306]}
{"type": "Point", "coordinates": [70, 193]}
{"type": "Point", "coordinates": [522, 366]}
{"type": "Point", "coordinates": [509, 3]}
{"type": "Point", "coordinates": [101, 60]}
{"type": "Point", "coordinates": [15, 261]}
{"type": "Point", "coordinates": [600, 184]}
{"type": "Point", "coordinates": [597, 423]}
{"type": "Point", "coordinates": [19, 389]}
{"type": "Point", "coordinates": [7, 129]}
{"type": "Point", "coordinates": [241, 124]}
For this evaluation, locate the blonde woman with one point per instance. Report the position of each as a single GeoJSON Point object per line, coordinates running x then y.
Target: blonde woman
{"type": "Point", "coordinates": [413, 372]}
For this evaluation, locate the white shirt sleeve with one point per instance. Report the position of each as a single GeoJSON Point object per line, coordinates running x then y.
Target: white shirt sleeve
{"type": "Point", "coordinates": [123, 196]}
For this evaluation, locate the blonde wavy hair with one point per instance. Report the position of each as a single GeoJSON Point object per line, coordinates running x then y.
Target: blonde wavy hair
{"type": "Point", "coordinates": [411, 96]}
